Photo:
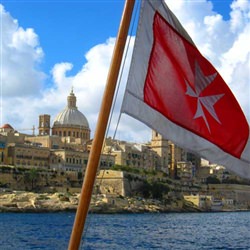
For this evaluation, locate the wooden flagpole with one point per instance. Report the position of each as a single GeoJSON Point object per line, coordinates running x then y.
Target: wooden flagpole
{"type": "Point", "coordinates": [90, 175]}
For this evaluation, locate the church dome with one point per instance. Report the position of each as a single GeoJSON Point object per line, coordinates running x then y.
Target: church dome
{"type": "Point", "coordinates": [71, 116]}
{"type": "Point", "coordinates": [7, 126]}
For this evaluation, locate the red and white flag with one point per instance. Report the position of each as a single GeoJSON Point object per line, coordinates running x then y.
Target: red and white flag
{"type": "Point", "coordinates": [176, 91]}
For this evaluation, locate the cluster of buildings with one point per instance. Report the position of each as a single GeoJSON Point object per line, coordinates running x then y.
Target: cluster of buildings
{"type": "Point", "coordinates": [61, 149]}
{"type": "Point", "coordinates": [65, 143]}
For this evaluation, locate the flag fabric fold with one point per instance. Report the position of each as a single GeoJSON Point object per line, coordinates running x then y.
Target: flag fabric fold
{"type": "Point", "coordinates": [176, 91]}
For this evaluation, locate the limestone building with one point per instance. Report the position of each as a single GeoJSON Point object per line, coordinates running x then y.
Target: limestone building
{"type": "Point", "coordinates": [70, 122]}
{"type": "Point", "coordinates": [64, 145]}
{"type": "Point", "coordinates": [24, 155]}
{"type": "Point", "coordinates": [161, 147]}
{"type": "Point", "coordinates": [44, 124]}
{"type": "Point", "coordinates": [132, 154]}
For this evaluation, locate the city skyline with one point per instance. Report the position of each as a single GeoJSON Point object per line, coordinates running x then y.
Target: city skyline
{"type": "Point", "coordinates": [48, 48]}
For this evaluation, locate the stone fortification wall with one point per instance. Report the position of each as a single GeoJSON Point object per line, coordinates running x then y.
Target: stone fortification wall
{"type": "Point", "coordinates": [239, 193]}
{"type": "Point", "coordinates": [110, 182]}
{"type": "Point", "coordinates": [37, 180]}
{"type": "Point", "coordinates": [118, 183]}
{"type": "Point", "coordinates": [107, 181]}
{"type": "Point", "coordinates": [132, 183]}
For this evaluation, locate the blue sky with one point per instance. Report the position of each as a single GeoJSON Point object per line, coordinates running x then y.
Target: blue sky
{"type": "Point", "coordinates": [83, 24]}
{"type": "Point", "coordinates": [61, 24]}
{"type": "Point", "coordinates": [59, 44]}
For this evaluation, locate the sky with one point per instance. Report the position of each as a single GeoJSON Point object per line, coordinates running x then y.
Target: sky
{"type": "Point", "coordinates": [48, 47]}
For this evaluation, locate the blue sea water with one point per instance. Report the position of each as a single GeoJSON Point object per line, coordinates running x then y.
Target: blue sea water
{"type": "Point", "coordinates": [51, 231]}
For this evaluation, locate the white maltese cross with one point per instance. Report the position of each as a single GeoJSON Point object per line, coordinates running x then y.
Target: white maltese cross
{"type": "Point", "coordinates": [203, 102]}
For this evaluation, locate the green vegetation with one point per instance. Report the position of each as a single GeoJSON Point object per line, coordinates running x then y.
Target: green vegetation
{"type": "Point", "coordinates": [155, 183]}
{"type": "Point", "coordinates": [154, 190]}
{"type": "Point", "coordinates": [79, 175]}
{"type": "Point", "coordinates": [134, 170]}
{"type": "Point", "coordinates": [31, 177]}
{"type": "Point", "coordinates": [213, 180]}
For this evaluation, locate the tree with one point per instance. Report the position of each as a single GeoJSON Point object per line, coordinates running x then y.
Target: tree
{"type": "Point", "coordinates": [213, 180]}
{"type": "Point", "coordinates": [31, 177]}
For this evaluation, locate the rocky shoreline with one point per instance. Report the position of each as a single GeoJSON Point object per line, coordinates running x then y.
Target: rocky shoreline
{"type": "Point", "coordinates": [20, 201]}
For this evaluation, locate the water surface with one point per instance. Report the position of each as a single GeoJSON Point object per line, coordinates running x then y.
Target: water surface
{"type": "Point", "coordinates": [51, 231]}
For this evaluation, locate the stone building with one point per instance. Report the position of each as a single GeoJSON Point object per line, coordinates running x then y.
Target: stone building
{"type": "Point", "coordinates": [65, 143]}
{"type": "Point", "coordinates": [25, 155]}
{"type": "Point", "coordinates": [8, 135]}
{"type": "Point", "coordinates": [44, 124]}
{"type": "Point", "coordinates": [6, 128]}
{"type": "Point", "coordinates": [161, 147]}
{"type": "Point", "coordinates": [75, 160]}
{"type": "Point", "coordinates": [64, 149]}
{"type": "Point", "coordinates": [3, 150]}
{"type": "Point", "coordinates": [70, 122]}
{"type": "Point", "coordinates": [132, 154]}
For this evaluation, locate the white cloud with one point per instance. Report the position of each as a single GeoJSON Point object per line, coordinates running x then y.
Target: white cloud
{"type": "Point", "coordinates": [89, 84]}
{"type": "Point", "coordinates": [240, 14]}
{"type": "Point", "coordinates": [59, 75]}
{"type": "Point", "coordinates": [20, 57]}
{"type": "Point", "coordinates": [224, 43]}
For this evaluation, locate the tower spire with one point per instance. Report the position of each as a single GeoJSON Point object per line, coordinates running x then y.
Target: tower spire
{"type": "Point", "coordinates": [72, 99]}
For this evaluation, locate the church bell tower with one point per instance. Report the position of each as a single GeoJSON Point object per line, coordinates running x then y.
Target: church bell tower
{"type": "Point", "coordinates": [160, 146]}
{"type": "Point", "coordinates": [44, 124]}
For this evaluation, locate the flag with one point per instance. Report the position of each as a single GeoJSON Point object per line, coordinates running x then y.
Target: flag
{"type": "Point", "coordinates": [177, 92]}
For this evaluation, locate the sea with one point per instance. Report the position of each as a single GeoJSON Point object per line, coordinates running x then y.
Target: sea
{"type": "Point", "coordinates": [51, 231]}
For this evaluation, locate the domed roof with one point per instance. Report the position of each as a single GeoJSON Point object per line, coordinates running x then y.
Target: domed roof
{"type": "Point", "coordinates": [8, 126]}
{"type": "Point", "coordinates": [71, 116]}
